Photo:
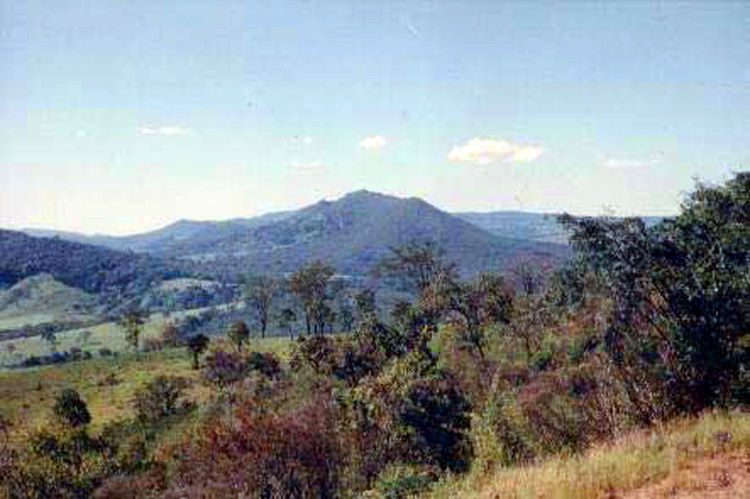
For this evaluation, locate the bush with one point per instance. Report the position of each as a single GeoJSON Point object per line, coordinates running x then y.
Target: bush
{"type": "Point", "coordinates": [152, 345]}
{"type": "Point", "coordinates": [265, 363]}
{"type": "Point", "coordinates": [401, 480]}
{"type": "Point", "coordinates": [224, 368]}
{"type": "Point", "coordinates": [291, 453]}
{"type": "Point", "coordinates": [409, 413]}
{"type": "Point", "coordinates": [158, 398]}
{"type": "Point", "coordinates": [71, 409]}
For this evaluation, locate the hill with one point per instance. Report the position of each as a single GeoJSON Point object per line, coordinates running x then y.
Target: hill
{"type": "Point", "coordinates": [351, 233]}
{"type": "Point", "coordinates": [355, 231]}
{"type": "Point", "coordinates": [169, 238]}
{"type": "Point", "coordinates": [41, 298]}
{"type": "Point", "coordinates": [91, 268]}
{"type": "Point", "coordinates": [542, 227]}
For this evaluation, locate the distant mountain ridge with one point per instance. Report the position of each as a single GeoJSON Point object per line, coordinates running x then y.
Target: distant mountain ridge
{"type": "Point", "coordinates": [352, 232]}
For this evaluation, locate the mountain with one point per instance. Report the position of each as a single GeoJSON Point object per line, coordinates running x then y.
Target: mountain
{"type": "Point", "coordinates": [352, 233]}
{"type": "Point", "coordinates": [523, 225]}
{"type": "Point", "coordinates": [169, 238]}
{"type": "Point", "coordinates": [88, 267]}
{"type": "Point", "coordinates": [519, 225]}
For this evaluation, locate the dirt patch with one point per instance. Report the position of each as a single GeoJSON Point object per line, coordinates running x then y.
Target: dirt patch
{"type": "Point", "coordinates": [722, 476]}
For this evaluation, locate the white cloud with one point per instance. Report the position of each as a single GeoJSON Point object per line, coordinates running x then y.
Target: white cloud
{"type": "Point", "coordinates": [373, 142]}
{"type": "Point", "coordinates": [307, 140]}
{"type": "Point", "coordinates": [482, 151]}
{"type": "Point", "coordinates": [306, 165]}
{"type": "Point", "coordinates": [81, 133]}
{"type": "Point", "coordinates": [622, 164]}
{"type": "Point", "coordinates": [164, 130]}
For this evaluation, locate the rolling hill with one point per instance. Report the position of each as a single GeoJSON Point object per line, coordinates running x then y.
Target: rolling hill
{"type": "Point", "coordinates": [41, 298]}
{"type": "Point", "coordinates": [91, 268]}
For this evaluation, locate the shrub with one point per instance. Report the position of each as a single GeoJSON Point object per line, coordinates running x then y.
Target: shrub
{"type": "Point", "coordinates": [224, 368]}
{"type": "Point", "coordinates": [152, 345]}
{"type": "Point", "coordinates": [265, 363]}
{"type": "Point", "coordinates": [158, 398]}
{"type": "Point", "coordinates": [401, 480]}
{"type": "Point", "coordinates": [71, 409]}
{"type": "Point", "coordinates": [410, 413]}
{"type": "Point", "coordinates": [291, 453]}
{"type": "Point", "coordinates": [197, 345]}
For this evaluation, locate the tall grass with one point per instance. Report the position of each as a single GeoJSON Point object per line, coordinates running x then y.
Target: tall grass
{"type": "Point", "coordinates": [624, 464]}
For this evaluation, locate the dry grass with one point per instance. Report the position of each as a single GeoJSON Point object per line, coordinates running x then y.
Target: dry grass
{"type": "Point", "coordinates": [27, 395]}
{"type": "Point", "coordinates": [610, 469]}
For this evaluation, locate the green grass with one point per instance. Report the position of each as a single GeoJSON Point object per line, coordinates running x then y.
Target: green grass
{"type": "Point", "coordinates": [630, 462]}
{"type": "Point", "coordinates": [108, 335]}
{"type": "Point", "coordinates": [27, 395]}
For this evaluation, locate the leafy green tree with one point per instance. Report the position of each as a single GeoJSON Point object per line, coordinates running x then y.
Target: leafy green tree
{"type": "Point", "coordinates": [132, 322]}
{"type": "Point", "coordinates": [680, 292]}
{"type": "Point", "coordinates": [70, 409]}
{"type": "Point", "coordinates": [286, 320]}
{"type": "Point", "coordinates": [261, 291]}
{"type": "Point", "coordinates": [158, 398]}
{"type": "Point", "coordinates": [346, 316]}
{"type": "Point", "coordinates": [197, 345]}
{"type": "Point", "coordinates": [311, 287]}
{"type": "Point", "coordinates": [364, 303]}
{"type": "Point", "coordinates": [470, 307]}
{"type": "Point", "coordinates": [239, 334]}
{"type": "Point", "coordinates": [415, 264]}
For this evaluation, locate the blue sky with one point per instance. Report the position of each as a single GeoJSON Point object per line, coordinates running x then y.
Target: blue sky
{"type": "Point", "coordinates": [122, 116]}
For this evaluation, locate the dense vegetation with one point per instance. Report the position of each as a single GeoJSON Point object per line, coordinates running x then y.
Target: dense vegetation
{"type": "Point", "coordinates": [644, 324]}
{"type": "Point", "coordinates": [83, 266]}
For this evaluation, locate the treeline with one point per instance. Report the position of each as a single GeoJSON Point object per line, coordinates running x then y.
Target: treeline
{"type": "Point", "coordinates": [645, 324]}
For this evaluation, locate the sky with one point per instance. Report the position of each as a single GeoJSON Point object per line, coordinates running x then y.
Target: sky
{"type": "Point", "coordinates": [123, 116]}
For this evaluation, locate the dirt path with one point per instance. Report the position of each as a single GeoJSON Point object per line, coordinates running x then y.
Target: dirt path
{"type": "Point", "coordinates": [723, 476]}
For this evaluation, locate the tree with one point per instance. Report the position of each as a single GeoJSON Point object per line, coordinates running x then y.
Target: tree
{"type": "Point", "coordinates": [346, 316]}
{"type": "Point", "coordinates": [470, 307]}
{"type": "Point", "coordinates": [158, 398]}
{"type": "Point", "coordinates": [170, 334]}
{"type": "Point", "coordinates": [70, 409]}
{"type": "Point", "coordinates": [415, 264]}
{"type": "Point", "coordinates": [132, 321]}
{"type": "Point", "coordinates": [286, 320]}
{"type": "Point", "coordinates": [51, 338]}
{"type": "Point", "coordinates": [239, 334]}
{"type": "Point", "coordinates": [197, 345]}
{"type": "Point", "coordinates": [364, 303]}
{"type": "Point", "coordinates": [680, 292]}
{"type": "Point", "coordinates": [260, 293]}
{"type": "Point", "coordinates": [529, 276]}
{"type": "Point", "coordinates": [310, 286]}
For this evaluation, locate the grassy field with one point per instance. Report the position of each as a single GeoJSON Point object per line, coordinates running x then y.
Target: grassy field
{"type": "Point", "coordinates": [27, 395]}
{"type": "Point", "coordinates": [626, 465]}
{"type": "Point", "coordinates": [108, 335]}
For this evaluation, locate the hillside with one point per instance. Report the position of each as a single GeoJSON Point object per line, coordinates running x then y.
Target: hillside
{"type": "Point", "coordinates": [168, 238]}
{"type": "Point", "coordinates": [41, 298]}
{"type": "Point", "coordinates": [91, 268]}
